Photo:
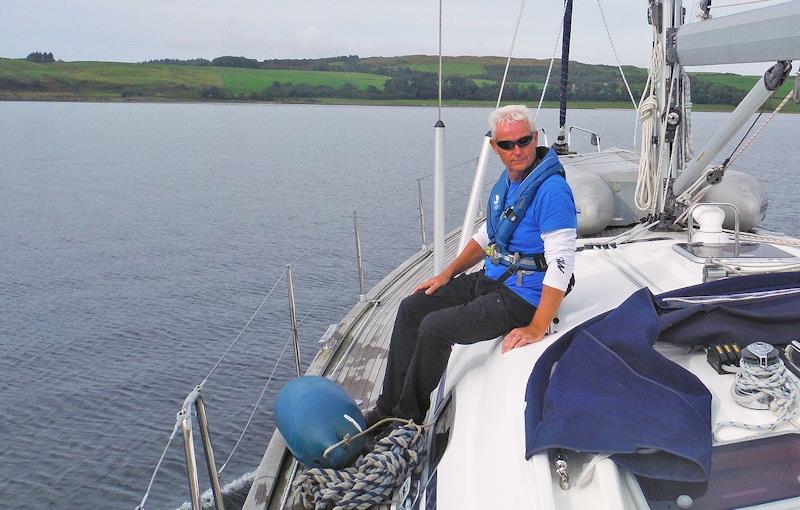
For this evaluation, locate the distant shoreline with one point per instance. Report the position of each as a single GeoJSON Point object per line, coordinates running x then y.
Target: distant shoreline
{"type": "Point", "coordinates": [409, 80]}
{"type": "Point", "coordinates": [326, 101]}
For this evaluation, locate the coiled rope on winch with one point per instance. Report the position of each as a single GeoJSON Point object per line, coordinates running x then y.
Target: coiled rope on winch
{"type": "Point", "coordinates": [371, 481]}
{"type": "Point", "coordinates": [775, 383]}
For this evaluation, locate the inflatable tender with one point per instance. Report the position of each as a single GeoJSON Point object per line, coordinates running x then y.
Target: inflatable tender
{"type": "Point", "coordinates": [314, 413]}
{"type": "Point", "coordinates": [745, 192]}
{"type": "Point", "coordinates": [594, 201]}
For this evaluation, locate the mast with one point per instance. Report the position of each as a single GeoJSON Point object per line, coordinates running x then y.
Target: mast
{"type": "Point", "coordinates": [561, 145]}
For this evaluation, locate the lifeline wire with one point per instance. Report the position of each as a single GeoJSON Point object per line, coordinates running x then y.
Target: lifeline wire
{"type": "Point", "coordinates": [245, 326]}
{"type": "Point", "coordinates": [158, 467]}
{"type": "Point", "coordinates": [375, 200]}
{"type": "Point", "coordinates": [264, 391]}
{"type": "Point", "coordinates": [252, 414]}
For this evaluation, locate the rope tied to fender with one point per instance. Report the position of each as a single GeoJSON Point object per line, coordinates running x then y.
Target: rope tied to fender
{"type": "Point", "coordinates": [371, 481]}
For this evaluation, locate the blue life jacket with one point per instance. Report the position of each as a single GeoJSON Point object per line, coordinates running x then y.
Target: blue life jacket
{"type": "Point", "coordinates": [501, 223]}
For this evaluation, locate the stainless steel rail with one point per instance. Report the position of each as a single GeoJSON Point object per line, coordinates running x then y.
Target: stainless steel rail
{"type": "Point", "coordinates": [184, 418]}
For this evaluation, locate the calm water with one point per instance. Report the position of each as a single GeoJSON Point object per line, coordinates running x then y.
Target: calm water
{"type": "Point", "coordinates": [138, 239]}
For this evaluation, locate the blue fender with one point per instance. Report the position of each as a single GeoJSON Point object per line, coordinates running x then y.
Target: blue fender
{"type": "Point", "coordinates": [313, 413]}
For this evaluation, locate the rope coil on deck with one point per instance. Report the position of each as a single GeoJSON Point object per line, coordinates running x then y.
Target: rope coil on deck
{"type": "Point", "coordinates": [778, 385]}
{"type": "Point", "coordinates": [371, 481]}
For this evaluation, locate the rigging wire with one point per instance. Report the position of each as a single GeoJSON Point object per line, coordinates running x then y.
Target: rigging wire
{"type": "Point", "coordinates": [761, 128]}
{"type": "Point", "coordinates": [728, 159]}
{"type": "Point", "coordinates": [510, 52]}
{"type": "Point", "coordinates": [696, 192]}
{"type": "Point", "coordinates": [552, 59]}
{"type": "Point", "coordinates": [440, 60]}
{"type": "Point", "coordinates": [616, 56]}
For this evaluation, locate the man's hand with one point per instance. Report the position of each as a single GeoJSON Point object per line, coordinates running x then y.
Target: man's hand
{"type": "Point", "coordinates": [431, 284]}
{"type": "Point", "coordinates": [522, 336]}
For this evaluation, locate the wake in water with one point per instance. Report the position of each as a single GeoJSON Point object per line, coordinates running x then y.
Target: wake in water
{"type": "Point", "coordinates": [234, 494]}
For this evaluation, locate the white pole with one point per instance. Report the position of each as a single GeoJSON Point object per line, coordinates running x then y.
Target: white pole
{"type": "Point", "coordinates": [438, 197]}
{"type": "Point", "coordinates": [476, 193]}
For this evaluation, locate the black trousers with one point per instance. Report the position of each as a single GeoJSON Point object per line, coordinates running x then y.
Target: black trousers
{"type": "Point", "coordinates": [469, 309]}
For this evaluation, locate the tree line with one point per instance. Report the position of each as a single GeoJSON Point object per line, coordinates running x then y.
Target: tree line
{"type": "Point", "coordinates": [41, 57]}
{"type": "Point", "coordinates": [587, 82]}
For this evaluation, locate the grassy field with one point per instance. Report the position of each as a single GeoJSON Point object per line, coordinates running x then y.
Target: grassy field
{"type": "Point", "coordinates": [115, 81]}
{"type": "Point", "coordinates": [101, 80]}
{"type": "Point", "coordinates": [245, 81]}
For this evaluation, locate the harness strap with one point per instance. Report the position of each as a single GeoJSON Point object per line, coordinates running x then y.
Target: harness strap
{"type": "Point", "coordinates": [532, 262]}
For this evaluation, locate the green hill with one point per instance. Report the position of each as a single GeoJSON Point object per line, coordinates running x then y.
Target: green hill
{"type": "Point", "coordinates": [410, 79]}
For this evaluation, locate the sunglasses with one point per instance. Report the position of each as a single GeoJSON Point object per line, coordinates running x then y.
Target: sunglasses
{"type": "Point", "coordinates": [508, 145]}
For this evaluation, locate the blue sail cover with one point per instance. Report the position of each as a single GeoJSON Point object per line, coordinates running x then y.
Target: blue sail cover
{"type": "Point", "coordinates": [611, 392]}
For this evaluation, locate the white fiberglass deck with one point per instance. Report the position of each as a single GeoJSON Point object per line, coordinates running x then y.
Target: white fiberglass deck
{"type": "Point", "coordinates": [488, 432]}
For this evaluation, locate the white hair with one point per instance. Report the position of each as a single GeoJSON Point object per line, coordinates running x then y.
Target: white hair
{"type": "Point", "coordinates": [511, 113]}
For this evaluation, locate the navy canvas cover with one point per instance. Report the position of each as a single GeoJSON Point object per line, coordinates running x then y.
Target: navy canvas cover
{"type": "Point", "coordinates": [612, 392]}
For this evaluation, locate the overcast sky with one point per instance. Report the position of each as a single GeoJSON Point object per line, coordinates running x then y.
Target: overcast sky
{"type": "Point", "coordinates": [140, 30]}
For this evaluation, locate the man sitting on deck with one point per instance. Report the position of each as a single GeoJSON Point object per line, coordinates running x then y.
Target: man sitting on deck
{"type": "Point", "coordinates": [531, 247]}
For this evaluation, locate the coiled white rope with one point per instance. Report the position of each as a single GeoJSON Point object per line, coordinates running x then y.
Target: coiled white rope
{"type": "Point", "coordinates": [773, 382]}
{"type": "Point", "coordinates": [647, 181]}
{"type": "Point", "coordinates": [373, 479]}
{"type": "Point", "coordinates": [688, 142]}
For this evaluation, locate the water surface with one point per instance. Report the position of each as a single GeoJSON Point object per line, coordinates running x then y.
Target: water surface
{"type": "Point", "coordinates": [138, 239]}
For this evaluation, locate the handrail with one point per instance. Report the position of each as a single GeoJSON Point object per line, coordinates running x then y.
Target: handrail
{"type": "Point", "coordinates": [184, 418]}
{"type": "Point", "coordinates": [595, 140]}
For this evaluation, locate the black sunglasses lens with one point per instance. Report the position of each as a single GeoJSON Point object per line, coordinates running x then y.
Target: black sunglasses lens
{"type": "Point", "coordinates": [507, 145]}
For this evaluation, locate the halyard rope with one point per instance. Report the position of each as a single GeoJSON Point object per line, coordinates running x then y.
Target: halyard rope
{"type": "Point", "coordinates": [371, 481]}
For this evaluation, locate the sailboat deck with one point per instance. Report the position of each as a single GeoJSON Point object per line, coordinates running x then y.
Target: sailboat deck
{"type": "Point", "coordinates": [361, 374]}
{"type": "Point", "coordinates": [357, 362]}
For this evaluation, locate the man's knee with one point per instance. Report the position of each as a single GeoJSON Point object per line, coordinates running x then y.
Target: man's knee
{"type": "Point", "coordinates": [413, 307]}
{"type": "Point", "coordinates": [434, 328]}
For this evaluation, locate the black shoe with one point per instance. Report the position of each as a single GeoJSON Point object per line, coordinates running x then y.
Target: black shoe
{"type": "Point", "coordinates": [375, 415]}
